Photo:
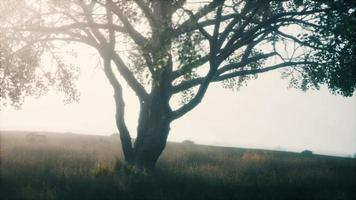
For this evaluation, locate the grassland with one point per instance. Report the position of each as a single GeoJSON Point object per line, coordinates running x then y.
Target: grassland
{"type": "Point", "coordinates": [69, 166]}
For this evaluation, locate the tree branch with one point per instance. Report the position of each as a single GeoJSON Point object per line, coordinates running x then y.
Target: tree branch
{"type": "Point", "coordinates": [129, 77]}
{"type": "Point", "coordinates": [199, 14]}
{"type": "Point", "coordinates": [122, 68]}
{"type": "Point", "coordinates": [233, 45]}
{"type": "Point", "coordinates": [212, 70]}
{"type": "Point", "coordinates": [120, 111]}
{"type": "Point", "coordinates": [176, 74]}
{"type": "Point", "coordinates": [194, 26]}
{"type": "Point", "coordinates": [261, 70]}
{"type": "Point", "coordinates": [220, 77]}
{"type": "Point", "coordinates": [134, 34]}
{"type": "Point", "coordinates": [296, 40]}
{"type": "Point", "coordinates": [194, 82]}
{"type": "Point", "coordinates": [87, 12]}
{"type": "Point", "coordinates": [245, 62]}
{"type": "Point", "coordinates": [147, 11]}
{"type": "Point", "coordinates": [201, 29]}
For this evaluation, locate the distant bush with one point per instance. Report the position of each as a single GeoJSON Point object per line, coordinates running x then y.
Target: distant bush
{"type": "Point", "coordinates": [306, 153]}
{"type": "Point", "coordinates": [188, 142]}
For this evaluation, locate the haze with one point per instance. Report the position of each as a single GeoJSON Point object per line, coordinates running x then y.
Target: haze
{"type": "Point", "coordinates": [264, 114]}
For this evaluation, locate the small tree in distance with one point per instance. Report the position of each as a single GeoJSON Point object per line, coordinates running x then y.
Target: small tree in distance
{"type": "Point", "coordinates": [178, 48]}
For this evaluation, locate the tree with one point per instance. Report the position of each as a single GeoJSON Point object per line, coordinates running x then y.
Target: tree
{"type": "Point", "coordinates": [178, 48]}
{"type": "Point", "coordinates": [20, 57]}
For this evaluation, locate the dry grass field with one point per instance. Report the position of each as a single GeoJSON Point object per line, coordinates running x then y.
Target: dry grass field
{"type": "Point", "coordinates": [69, 166]}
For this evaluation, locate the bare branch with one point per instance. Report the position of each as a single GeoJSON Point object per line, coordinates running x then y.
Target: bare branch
{"type": "Point", "coordinates": [192, 83]}
{"type": "Point", "coordinates": [87, 9]}
{"type": "Point", "coordinates": [220, 77]}
{"type": "Point", "coordinates": [112, 38]}
{"type": "Point", "coordinates": [105, 52]}
{"type": "Point", "coordinates": [261, 70]}
{"type": "Point", "coordinates": [120, 111]}
{"type": "Point", "coordinates": [189, 27]}
{"type": "Point", "coordinates": [241, 28]}
{"type": "Point", "coordinates": [129, 77]}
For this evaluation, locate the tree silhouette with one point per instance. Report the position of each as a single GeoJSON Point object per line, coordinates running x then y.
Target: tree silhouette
{"type": "Point", "coordinates": [178, 48]}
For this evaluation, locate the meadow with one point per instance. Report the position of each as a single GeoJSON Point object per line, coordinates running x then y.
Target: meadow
{"type": "Point", "coordinates": [70, 166]}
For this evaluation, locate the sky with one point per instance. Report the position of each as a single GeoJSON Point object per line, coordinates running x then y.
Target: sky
{"type": "Point", "coordinates": [264, 114]}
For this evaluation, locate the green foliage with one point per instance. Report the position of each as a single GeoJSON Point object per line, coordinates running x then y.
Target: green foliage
{"type": "Point", "coordinates": [237, 82]}
{"type": "Point", "coordinates": [18, 74]}
{"type": "Point", "coordinates": [189, 50]}
{"type": "Point", "coordinates": [186, 96]}
{"type": "Point", "coordinates": [327, 38]}
{"type": "Point", "coordinates": [138, 66]}
{"type": "Point", "coordinates": [335, 41]}
{"type": "Point", "coordinates": [21, 73]}
{"type": "Point", "coordinates": [330, 44]}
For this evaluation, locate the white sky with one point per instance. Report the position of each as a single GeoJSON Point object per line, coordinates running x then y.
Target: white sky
{"type": "Point", "coordinates": [265, 114]}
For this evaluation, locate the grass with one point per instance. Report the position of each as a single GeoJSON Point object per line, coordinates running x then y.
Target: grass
{"type": "Point", "coordinates": [69, 166]}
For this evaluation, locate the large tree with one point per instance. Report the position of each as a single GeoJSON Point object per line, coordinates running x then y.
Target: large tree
{"type": "Point", "coordinates": [178, 48]}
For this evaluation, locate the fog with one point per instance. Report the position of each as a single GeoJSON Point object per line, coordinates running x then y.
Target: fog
{"type": "Point", "coordinates": [264, 114]}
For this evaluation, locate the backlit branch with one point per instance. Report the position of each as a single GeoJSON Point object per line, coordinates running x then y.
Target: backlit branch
{"type": "Point", "coordinates": [121, 66]}
{"type": "Point", "coordinates": [213, 65]}
{"type": "Point", "coordinates": [194, 82]}
{"type": "Point", "coordinates": [120, 111]}
{"type": "Point", "coordinates": [133, 33]}
{"type": "Point", "coordinates": [221, 77]}
{"type": "Point", "coordinates": [191, 24]}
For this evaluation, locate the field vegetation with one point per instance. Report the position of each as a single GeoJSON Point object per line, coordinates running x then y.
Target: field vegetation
{"type": "Point", "coordinates": [69, 166]}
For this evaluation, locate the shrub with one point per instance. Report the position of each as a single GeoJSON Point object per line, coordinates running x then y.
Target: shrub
{"type": "Point", "coordinates": [189, 142]}
{"type": "Point", "coordinates": [307, 153]}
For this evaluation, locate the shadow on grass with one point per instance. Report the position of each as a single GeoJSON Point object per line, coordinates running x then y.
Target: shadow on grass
{"type": "Point", "coordinates": [72, 167]}
{"type": "Point", "coordinates": [120, 181]}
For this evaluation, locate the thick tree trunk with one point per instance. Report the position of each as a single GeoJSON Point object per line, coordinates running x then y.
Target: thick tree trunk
{"type": "Point", "coordinates": [149, 145]}
{"type": "Point", "coordinates": [153, 125]}
{"type": "Point", "coordinates": [155, 115]}
{"type": "Point", "coordinates": [152, 134]}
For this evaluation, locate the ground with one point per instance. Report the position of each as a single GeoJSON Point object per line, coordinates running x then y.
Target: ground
{"type": "Point", "coordinates": [70, 166]}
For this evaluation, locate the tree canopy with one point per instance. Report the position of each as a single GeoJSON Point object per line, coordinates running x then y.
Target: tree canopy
{"type": "Point", "coordinates": [21, 73]}
{"type": "Point", "coordinates": [165, 49]}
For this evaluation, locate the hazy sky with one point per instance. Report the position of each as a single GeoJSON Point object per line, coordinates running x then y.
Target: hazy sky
{"type": "Point", "coordinates": [265, 114]}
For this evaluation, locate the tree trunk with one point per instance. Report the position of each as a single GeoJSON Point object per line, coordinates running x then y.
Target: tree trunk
{"type": "Point", "coordinates": [149, 145]}
{"type": "Point", "coordinates": [155, 115]}
{"type": "Point", "coordinates": [152, 133]}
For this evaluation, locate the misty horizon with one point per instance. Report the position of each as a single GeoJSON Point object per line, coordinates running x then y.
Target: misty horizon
{"type": "Point", "coordinates": [315, 130]}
